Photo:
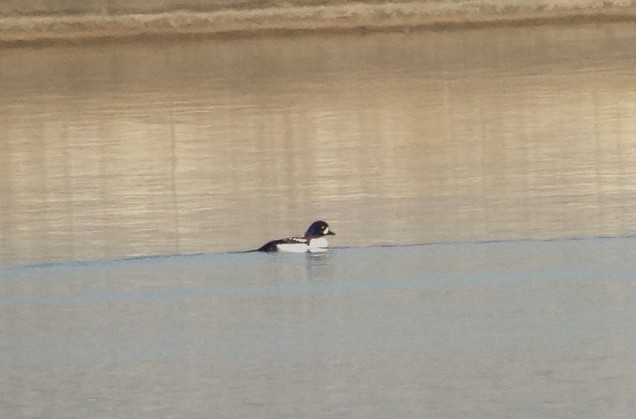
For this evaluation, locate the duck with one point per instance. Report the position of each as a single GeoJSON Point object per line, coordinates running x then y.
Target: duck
{"type": "Point", "coordinates": [313, 241]}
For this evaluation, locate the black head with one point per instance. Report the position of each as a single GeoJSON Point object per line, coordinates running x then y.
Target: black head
{"type": "Point", "coordinates": [318, 229]}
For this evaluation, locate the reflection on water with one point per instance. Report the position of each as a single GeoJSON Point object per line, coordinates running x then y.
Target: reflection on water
{"type": "Point", "coordinates": [206, 146]}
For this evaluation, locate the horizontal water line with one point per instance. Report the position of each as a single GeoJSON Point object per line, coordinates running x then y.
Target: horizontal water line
{"type": "Point", "coordinates": [26, 25]}
{"type": "Point", "coordinates": [175, 256]}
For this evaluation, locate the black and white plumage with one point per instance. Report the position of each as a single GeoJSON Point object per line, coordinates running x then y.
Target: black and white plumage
{"type": "Point", "coordinates": [313, 241]}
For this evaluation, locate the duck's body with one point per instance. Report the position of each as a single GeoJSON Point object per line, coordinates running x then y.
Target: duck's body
{"type": "Point", "coordinates": [313, 241]}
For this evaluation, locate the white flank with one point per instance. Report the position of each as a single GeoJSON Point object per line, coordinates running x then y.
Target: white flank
{"type": "Point", "coordinates": [318, 245]}
{"type": "Point", "coordinates": [293, 247]}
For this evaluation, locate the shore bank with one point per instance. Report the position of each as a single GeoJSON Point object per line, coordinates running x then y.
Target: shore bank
{"type": "Point", "coordinates": [36, 21]}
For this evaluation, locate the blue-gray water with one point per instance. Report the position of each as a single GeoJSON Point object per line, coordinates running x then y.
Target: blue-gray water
{"type": "Point", "coordinates": [507, 329]}
{"type": "Point", "coordinates": [494, 147]}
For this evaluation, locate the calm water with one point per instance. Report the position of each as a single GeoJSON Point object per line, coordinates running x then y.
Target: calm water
{"type": "Point", "coordinates": [497, 330]}
{"type": "Point", "coordinates": [171, 148]}
{"type": "Point", "coordinates": [163, 148]}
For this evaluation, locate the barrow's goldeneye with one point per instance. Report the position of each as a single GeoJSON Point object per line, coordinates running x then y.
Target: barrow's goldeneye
{"type": "Point", "coordinates": [313, 241]}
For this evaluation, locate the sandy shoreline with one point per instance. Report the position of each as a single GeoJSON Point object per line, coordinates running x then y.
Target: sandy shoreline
{"type": "Point", "coordinates": [237, 18]}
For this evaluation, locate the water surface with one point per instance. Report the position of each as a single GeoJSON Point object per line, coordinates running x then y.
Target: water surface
{"type": "Point", "coordinates": [494, 146]}
{"type": "Point", "coordinates": [205, 146]}
{"type": "Point", "coordinates": [522, 329]}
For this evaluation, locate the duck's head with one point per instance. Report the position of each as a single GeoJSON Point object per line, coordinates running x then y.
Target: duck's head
{"type": "Point", "coordinates": [318, 229]}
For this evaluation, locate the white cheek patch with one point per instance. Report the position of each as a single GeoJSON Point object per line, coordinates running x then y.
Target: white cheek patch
{"type": "Point", "coordinates": [326, 230]}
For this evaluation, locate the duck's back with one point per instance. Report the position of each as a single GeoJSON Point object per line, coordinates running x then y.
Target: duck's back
{"type": "Point", "coordinates": [292, 244]}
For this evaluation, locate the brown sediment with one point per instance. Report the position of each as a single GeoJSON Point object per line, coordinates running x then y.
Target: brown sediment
{"type": "Point", "coordinates": [242, 20]}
